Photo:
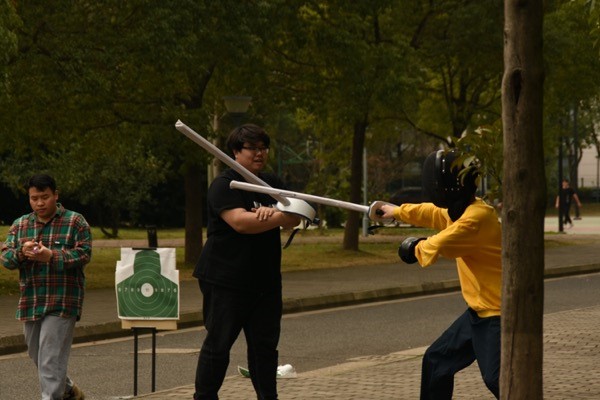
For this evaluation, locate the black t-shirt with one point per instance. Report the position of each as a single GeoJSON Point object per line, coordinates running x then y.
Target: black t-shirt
{"type": "Point", "coordinates": [567, 195]}
{"type": "Point", "coordinates": [242, 261]}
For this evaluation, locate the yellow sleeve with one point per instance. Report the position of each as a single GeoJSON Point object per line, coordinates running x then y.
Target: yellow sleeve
{"type": "Point", "coordinates": [474, 240]}
{"type": "Point", "coordinates": [474, 236]}
{"type": "Point", "coordinates": [425, 215]}
{"type": "Point", "coordinates": [457, 240]}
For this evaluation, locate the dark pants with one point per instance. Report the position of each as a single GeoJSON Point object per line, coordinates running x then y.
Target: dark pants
{"type": "Point", "coordinates": [226, 313]}
{"type": "Point", "coordinates": [566, 212]}
{"type": "Point", "coordinates": [468, 339]}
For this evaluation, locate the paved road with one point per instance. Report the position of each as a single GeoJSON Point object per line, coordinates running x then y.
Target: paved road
{"type": "Point", "coordinates": [305, 290]}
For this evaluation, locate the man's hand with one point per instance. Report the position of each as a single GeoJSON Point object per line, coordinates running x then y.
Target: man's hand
{"type": "Point", "coordinates": [388, 211]}
{"type": "Point", "coordinates": [34, 251]}
{"type": "Point", "coordinates": [377, 214]}
{"type": "Point", "coordinates": [264, 213]}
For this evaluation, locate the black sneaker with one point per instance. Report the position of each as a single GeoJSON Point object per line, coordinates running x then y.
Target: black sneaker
{"type": "Point", "coordinates": [74, 394]}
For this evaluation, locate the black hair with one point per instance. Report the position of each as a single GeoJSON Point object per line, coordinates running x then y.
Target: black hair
{"type": "Point", "coordinates": [41, 182]}
{"type": "Point", "coordinates": [247, 133]}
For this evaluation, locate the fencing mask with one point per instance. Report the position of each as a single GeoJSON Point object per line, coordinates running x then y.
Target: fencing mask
{"type": "Point", "coordinates": [445, 186]}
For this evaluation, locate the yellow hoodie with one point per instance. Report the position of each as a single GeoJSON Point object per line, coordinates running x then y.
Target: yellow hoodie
{"type": "Point", "coordinates": [474, 240]}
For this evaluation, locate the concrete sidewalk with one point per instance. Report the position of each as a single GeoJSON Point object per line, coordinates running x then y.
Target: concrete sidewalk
{"type": "Point", "coordinates": [571, 353]}
{"type": "Point", "coordinates": [570, 339]}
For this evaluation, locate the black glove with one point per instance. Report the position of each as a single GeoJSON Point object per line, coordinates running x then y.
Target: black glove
{"type": "Point", "coordinates": [406, 251]}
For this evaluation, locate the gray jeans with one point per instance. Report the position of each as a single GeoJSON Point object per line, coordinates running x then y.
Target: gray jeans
{"type": "Point", "coordinates": [49, 346]}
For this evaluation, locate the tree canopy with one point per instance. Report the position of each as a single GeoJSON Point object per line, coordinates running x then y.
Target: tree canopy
{"type": "Point", "coordinates": [91, 90]}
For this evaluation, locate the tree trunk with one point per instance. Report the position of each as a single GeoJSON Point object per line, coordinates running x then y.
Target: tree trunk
{"type": "Point", "coordinates": [193, 212]}
{"type": "Point", "coordinates": [524, 194]}
{"type": "Point", "coordinates": [353, 221]}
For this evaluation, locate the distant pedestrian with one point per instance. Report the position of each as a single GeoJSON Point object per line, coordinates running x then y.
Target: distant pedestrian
{"type": "Point", "coordinates": [50, 247]}
{"type": "Point", "coordinates": [567, 194]}
{"type": "Point", "coordinates": [239, 271]}
{"type": "Point", "coordinates": [470, 232]}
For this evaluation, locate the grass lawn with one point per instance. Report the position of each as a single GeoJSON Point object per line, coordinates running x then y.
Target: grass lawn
{"type": "Point", "coordinates": [324, 251]}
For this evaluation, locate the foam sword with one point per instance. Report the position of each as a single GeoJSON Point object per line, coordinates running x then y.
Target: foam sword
{"type": "Point", "coordinates": [288, 201]}
{"type": "Point", "coordinates": [289, 205]}
{"type": "Point", "coordinates": [373, 211]}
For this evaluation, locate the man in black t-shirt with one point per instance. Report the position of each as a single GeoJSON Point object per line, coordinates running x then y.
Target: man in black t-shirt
{"type": "Point", "coordinates": [564, 199]}
{"type": "Point", "coordinates": [239, 271]}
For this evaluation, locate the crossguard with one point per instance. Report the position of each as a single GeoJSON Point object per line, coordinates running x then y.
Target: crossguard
{"type": "Point", "coordinates": [298, 207]}
{"type": "Point", "coordinates": [375, 211]}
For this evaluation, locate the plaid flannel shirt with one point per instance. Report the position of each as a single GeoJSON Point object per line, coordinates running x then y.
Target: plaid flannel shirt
{"type": "Point", "coordinates": [56, 287]}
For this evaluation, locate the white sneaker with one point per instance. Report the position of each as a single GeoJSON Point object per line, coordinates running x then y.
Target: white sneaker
{"type": "Point", "coordinates": [286, 371]}
{"type": "Point", "coordinates": [283, 371]}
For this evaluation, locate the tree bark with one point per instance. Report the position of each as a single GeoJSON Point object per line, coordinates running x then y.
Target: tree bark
{"type": "Point", "coordinates": [193, 213]}
{"type": "Point", "coordinates": [524, 194]}
{"type": "Point", "coordinates": [353, 221]}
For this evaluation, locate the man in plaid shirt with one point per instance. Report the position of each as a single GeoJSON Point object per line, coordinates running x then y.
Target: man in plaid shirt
{"type": "Point", "coordinates": [50, 247]}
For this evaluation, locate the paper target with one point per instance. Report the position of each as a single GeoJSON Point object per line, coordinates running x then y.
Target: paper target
{"type": "Point", "coordinates": [147, 284]}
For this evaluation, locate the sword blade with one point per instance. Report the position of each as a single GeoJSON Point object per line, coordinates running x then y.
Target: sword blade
{"type": "Point", "coordinates": [215, 151]}
{"type": "Point", "coordinates": [308, 197]}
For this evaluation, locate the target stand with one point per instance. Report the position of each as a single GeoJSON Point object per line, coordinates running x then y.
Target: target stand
{"type": "Point", "coordinates": [147, 288]}
{"type": "Point", "coordinates": [138, 327]}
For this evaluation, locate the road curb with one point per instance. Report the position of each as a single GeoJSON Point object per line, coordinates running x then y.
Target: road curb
{"type": "Point", "coordinates": [86, 333]}
{"type": "Point", "coordinates": [110, 330]}
{"type": "Point", "coordinates": [571, 270]}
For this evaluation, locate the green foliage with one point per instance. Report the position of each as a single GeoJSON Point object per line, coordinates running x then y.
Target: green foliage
{"type": "Point", "coordinates": [119, 180]}
{"type": "Point", "coordinates": [485, 143]}
{"type": "Point", "coordinates": [459, 45]}
{"type": "Point", "coordinates": [571, 57]}
{"type": "Point", "coordinates": [91, 90]}
{"type": "Point", "coordinates": [344, 65]}
{"type": "Point", "coordinates": [571, 83]}
{"type": "Point", "coordinates": [9, 21]}
{"type": "Point", "coordinates": [572, 62]}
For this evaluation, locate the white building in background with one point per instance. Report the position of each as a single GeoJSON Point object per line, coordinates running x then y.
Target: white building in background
{"type": "Point", "coordinates": [589, 169]}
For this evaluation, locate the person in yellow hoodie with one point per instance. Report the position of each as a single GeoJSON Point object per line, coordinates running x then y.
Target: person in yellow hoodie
{"type": "Point", "coordinates": [470, 232]}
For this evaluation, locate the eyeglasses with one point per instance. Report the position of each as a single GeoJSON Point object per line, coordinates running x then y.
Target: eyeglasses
{"type": "Point", "coordinates": [257, 150]}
